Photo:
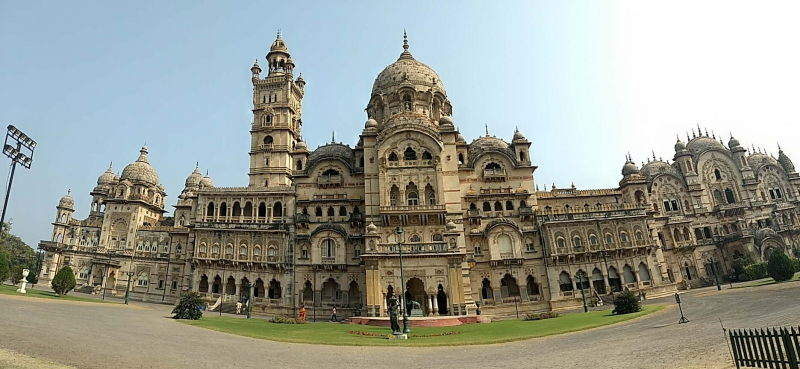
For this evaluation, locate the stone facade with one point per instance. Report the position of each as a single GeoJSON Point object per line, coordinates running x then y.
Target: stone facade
{"type": "Point", "coordinates": [326, 228]}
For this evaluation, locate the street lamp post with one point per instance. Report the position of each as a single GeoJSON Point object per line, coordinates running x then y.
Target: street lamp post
{"type": "Point", "coordinates": [711, 262]}
{"type": "Point", "coordinates": [406, 327]}
{"type": "Point", "coordinates": [581, 279]}
{"type": "Point", "coordinates": [128, 288]}
{"type": "Point", "coordinates": [19, 148]}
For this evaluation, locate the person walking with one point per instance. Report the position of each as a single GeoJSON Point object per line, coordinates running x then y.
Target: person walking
{"type": "Point", "coordinates": [333, 315]}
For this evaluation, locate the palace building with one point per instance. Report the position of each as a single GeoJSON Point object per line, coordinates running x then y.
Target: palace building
{"type": "Point", "coordinates": [325, 228]}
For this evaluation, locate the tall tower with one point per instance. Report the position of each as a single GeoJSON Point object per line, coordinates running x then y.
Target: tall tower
{"type": "Point", "coordinates": [277, 111]}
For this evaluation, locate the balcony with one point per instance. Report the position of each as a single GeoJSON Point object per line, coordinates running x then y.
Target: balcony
{"type": "Point", "coordinates": [412, 208]}
{"type": "Point", "coordinates": [410, 163]}
{"type": "Point", "coordinates": [412, 248]}
{"type": "Point", "coordinates": [494, 175]}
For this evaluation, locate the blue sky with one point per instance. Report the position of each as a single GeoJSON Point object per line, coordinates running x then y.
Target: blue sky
{"type": "Point", "coordinates": [586, 81]}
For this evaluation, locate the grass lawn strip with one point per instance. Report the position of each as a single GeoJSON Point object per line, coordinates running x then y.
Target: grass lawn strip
{"type": "Point", "coordinates": [768, 281]}
{"type": "Point", "coordinates": [468, 334]}
{"type": "Point", "coordinates": [12, 290]}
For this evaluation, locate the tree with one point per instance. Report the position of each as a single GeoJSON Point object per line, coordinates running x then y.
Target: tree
{"type": "Point", "coordinates": [188, 307]}
{"type": "Point", "coordinates": [18, 253]}
{"type": "Point", "coordinates": [779, 267]}
{"type": "Point", "coordinates": [16, 274]}
{"type": "Point", "coordinates": [626, 303]}
{"type": "Point", "coordinates": [4, 269]}
{"type": "Point", "coordinates": [64, 281]}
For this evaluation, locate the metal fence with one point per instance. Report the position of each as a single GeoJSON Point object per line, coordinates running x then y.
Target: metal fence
{"type": "Point", "coordinates": [766, 348]}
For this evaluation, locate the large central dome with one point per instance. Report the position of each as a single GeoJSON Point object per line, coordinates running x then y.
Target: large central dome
{"type": "Point", "coordinates": [407, 71]}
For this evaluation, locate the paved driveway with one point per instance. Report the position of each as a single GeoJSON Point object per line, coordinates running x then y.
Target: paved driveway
{"type": "Point", "coordinates": [140, 336]}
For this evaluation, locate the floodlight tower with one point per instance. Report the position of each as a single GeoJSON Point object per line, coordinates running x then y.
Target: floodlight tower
{"type": "Point", "coordinates": [19, 148]}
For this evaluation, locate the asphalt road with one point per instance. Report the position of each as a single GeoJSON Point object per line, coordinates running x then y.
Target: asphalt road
{"type": "Point", "coordinates": [87, 335]}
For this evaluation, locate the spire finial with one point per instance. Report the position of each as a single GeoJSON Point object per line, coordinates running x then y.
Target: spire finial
{"type": "Point", "coordinates": [486, 125]}
{"type": "Point", "coordinates": [333, 136]}
{"type": "Point", "coordinates": [69, 190]}
{"type": "Point", "coordinates": [197, 165]}
{"type": "Point", "coordinates": [405, 40]}
{"type": "Point", "coordinates": [110, 165]}
{"type": "Point", "coordinates": [279, 33]}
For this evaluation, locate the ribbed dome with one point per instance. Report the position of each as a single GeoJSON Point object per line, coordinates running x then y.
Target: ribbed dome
{"type": "Point", "coordinates": [67, 202]}
{"type": "Point", "coordinates": [206, 181]}
{"type": "Point", "coordinates": [194, 178]}
{"type": "Point", "coordinates": [141, 170]}
{"type": "Point", "coordinates": [108, 177]}
{"type": "Point", "coordinates": [679, 146]}
{"type": "Point", "coordinates": [785, 162]}
{"type": "Point", "coordinates": [733, 143]}
{"type": "Point", "coordinates": [629, 168]}
{"type": "Point", "coordinates": [518, 136]}
{"type": "Point", "coordinates": [370, 123]}
{"type": "Point", "coordinates": [406, 70]}
{"type": "Point", "coordinates": [702, 144]}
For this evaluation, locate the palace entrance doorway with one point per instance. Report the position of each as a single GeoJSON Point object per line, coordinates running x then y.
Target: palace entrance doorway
{"type": "Point", "coordinates": [415, 291]}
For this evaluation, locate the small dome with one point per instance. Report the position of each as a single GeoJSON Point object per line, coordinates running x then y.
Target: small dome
{"type": "Point", "coordinates": [67, 202]}
{"type": "Point", "coordinates": [206, 181]}
{"type": "Point", "coordinates": [107, 177]}
{"type": "Point", "coordinates": [445, 120]}
{"type": "Point", "coordinates": [301, 145]}
{"type": "Point", "coordinates": [194, 178]}
{"type": "Point", "coordinates": [518, 136]}
{"type": "Point", "coordinates": [371, 123]}
{"type": "Point", "coordinates": [278, 45]}
{"type": "Point", "coordinates": [460, 138]}
{"type": "Point", "coordinates": [629, 168]}
{"type": "Point", "coordinates": [450, 226]}
{"type": "Point", "coordinates": [733, 143]}
{"type": "Point", "coordinates": [255, 68]}
{"type": "Point", "coordinates": [372, 228]}
{"type": "Point", "coordinates": [141, 170]}
{"type": "Point", "coordinates": [679, 146]}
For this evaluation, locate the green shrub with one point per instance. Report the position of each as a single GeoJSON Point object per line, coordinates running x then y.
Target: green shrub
{"type": "Point", "coordinates": [795, 264]}
{"type": "Point", "coordinates": [4, 267]}
{"type": "Point", "coordinates": [188, 307]}
{"type": "Point", "coordinates": [540, 316]}
{"type": "Point", "coordinates": [796, 252]}
{"type": "Point", "coordinates": [64, 281]}
{"type": "Point", "coordinates": [280, 319]}
{"type": "Point", "coordinates": [738, 267]}
{"type": "Point", "coordinates": [779, 267]}
{"type": "Point", "coordinates": [16, 274]}
{"type": "Point", "coordinates": [755, 271]}
{"type": "Point", "coordinates": [626, 303]}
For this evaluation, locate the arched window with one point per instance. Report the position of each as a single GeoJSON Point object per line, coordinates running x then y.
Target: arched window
{"type": "Point", "coordinates": [486, 290]}
{"type": "Point", "coordinates": [409, 154]}
{"type": "Point", "coordinates": [243, 252]}
{"type": "Point", "coordinates": [609, 239]}
{"type": "Point", "coordinates": [412, 194]}
{"type": "Point", "coordinates": [561, 242]}
{"type": "Point", "coordinates": [268, 140]}
{"type": "Point", "coordinates": [277, 209]}
{"type": "Point", "coordinates": [143, 280]}
{"type": "Point", "coordinates": [210, 209]}
{"type": "Point", "coordinates": [509, 205]}
{"type": "Point", "coordinates": [430, 194]}
{"type": "Point", "coordinates": [487, 206]}
{"type": "Point", "coordinates": [532, 286]}
{"type": "Point", "coordinates": [237, 209]}
{"type": "Point", "coordinates": [262, 210]}
{"type": "Point", "coordinates": [318, 211]}
{"type": "Point", "coordinates": [521, 156]}
{"type": "Point", "coordinates": [248, 209]}
{"type": "Point", "coordinates": [330, 290]}
{"type": "Point", "coordinates": [509, 286]}
{"type": "Point", "coordinates": [493, 166]}
{"type": "Point", "coordinates": [577, 243]}
{"type": "Point", "coordinates": [331, 212]}
{"type": "Point", "coordinates": [593, 240]}
{"type": "Point", "coordinates": [298, 165]}
{"type": "Point", "coordinates": [718, 197]}
{"type": "Point", "coordinates": [392, 156]}
{"type": "Point", "coordinates": [565, 282]}
{"type": "Point", "coordinates": [472, 206]}
{"type": "Point", "coordinates": [274, 291]}
{"type": "Point", "coordinates": [460, 158]}
{"type": "Point", "coordinates": [717, 174]}
{"type": "Point", "coordinates": [268, 118]}
{"type": "Point", "coordinates": [644, 272]}
{"type": "Point", "coordinates": [729, 196]}
{"type": "Point", "coordinates": [394, 196]}
{"type": "Point", "coordinates": [342, 211]}
{"type": "Point", "coordinates": [627, 273]}
{"type": "Point", "coordinates": [328, 248]}
{"type": "Point", "coordinates": [415, 238]}
{"type": "Point", "coordinates": [498, 206]}
{"type": "Point", "coordinates": [223, 209]}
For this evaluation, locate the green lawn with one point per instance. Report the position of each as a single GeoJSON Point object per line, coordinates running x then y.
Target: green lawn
{"type": "Point", "coordinates": [12, 290]}
{"type": "Point", "coordinates": [468, 334]}
{"type": "Point", "coordinates": [767, 281]}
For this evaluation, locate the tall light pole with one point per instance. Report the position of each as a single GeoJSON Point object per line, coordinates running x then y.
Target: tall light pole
{"type": "Point", "coordinates": [406, 328]}
{"type": "Point", "coordinates": [19, 148]}
{"type": "Point", "coordinates": [581, 279]}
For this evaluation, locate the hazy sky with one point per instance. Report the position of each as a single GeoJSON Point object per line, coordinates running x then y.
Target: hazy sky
{"type": "Point", "coordinates": [585, 81]}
